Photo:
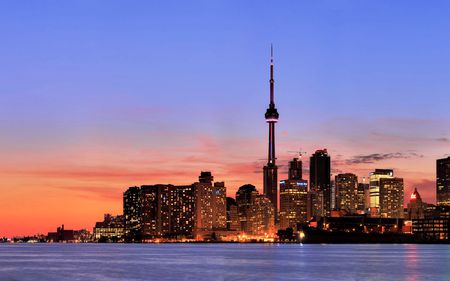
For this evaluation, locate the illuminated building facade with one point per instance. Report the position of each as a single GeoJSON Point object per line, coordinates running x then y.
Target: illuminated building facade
{"type": "Point", "coordinates": [391, 198]}
{"type": "Point", "coordinates": [293, 203]}
{"type": "Point", "coordinates": [155, 214]}
{"type": "Point", "coordinates": [270, 170]}
{"type": "Point", "coordinates": [362, 197]}
{"type": "Point", "coordinates": [261, 219]}
{"type": "Point", "coordinates": [293, 197]}
{"type": "Point", "coordinates": [219, 206]}
{"type": "Point", "coordinates": [182, 210]}
{"type": "Point", "coordinates": [416, 207]}
{"type": "Point", "coordinates": [435, 226]}
{"type": "Point", "coordinates": [320, 183]}
{"type": "Point", "coordinates": [132, 211]}
{"type": "Point", "coordinates": [204, 205]}
{"type": "Point", "coordinates": [374, 188]}
{"type": "Point", "coordinates": [233, 222]}
{"type": "Point", "coordinates": [244, 197]}
{"type": "Point", "coordinates": [110, 229]}
{"type": "Point", "coordinates": [443, 181]}
{"type": "Point", "coordinates": [167, 211]}
{"type": "Point", "coordinates": [347, 192]}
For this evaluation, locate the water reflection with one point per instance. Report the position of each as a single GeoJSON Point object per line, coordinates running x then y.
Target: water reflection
{"type": "Point", "coordinates": [224, 262]}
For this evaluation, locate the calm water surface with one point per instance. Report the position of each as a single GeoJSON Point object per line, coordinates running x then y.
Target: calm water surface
{"type": "Point", "coordinates": [223, 262]}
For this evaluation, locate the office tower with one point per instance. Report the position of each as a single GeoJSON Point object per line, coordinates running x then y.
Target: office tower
{"type": "Point", "coordinates": [132, 211]}
{"type": "Point", "coordinates": [204, 202]}
{"type": "Point", "coordinates": [270, 171]}
{"type": "Point", "coordinates": [374, 188]}
{"type": "Point", "coordinates": [261, 215]}
{"type": "Point", "coordinates": [244, 199]}
{"type": "Point", "coordinates": [293, 197]}
{"type": "Point", "coordinates": [219, 206]}
{"type": "Point", "coordinates": [314, 204]}
{"type": "Point", "coordinates": [416, 207]}
{"type": "Point", "coordinates": [391, 198]}
{"type": "Point", "coordinates": [156, 208]}
{"type": "Point", "coordinates": [443, 181]}
{"type": "Point", "coordinates": [347, 192]}
{"type": "Point", "coordinates": [293, 203]}
{"type": "Point", "coordinates": [362, 197]}
{"type": "Point", "coordinates": [320, 185]}
{"type": "Point", "coordinates": [233, 222]}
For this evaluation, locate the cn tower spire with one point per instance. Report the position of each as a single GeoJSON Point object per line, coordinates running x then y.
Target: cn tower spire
{"type": "Point", "coordinates": [271, 77]}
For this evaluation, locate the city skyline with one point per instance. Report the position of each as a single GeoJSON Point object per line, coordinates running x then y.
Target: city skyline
{"type": "Point", "coordinates": [79, 136]}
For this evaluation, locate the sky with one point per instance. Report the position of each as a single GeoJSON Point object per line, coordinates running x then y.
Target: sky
{"type": "Point", "coordinates": [97, 96]}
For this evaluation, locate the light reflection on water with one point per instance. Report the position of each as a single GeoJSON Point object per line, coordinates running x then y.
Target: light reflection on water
{"type": "Point", "coordinates": [223, 262]}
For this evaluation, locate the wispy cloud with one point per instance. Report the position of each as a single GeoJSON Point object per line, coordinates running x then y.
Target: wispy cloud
{"type": "Point", "coordinates": [376, 157]}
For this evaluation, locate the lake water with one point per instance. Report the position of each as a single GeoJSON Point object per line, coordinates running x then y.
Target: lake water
{"type": "Point", "coordinates": [223, 262]}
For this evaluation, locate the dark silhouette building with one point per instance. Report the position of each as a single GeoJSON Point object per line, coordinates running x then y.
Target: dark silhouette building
{"type": "Point", "coordinates": [443, 181]}
{"type": "Point", "coordinates": [320, 183]}
{"type": "Point", "coordinates": [270, 171]}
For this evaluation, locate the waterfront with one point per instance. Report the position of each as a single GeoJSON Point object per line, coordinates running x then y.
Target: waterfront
{"type": "Point", "coordinates": [224, 262]}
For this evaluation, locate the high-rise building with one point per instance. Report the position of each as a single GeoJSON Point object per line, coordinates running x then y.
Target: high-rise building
{"type": "Point", "coordinates": [347, 192]}
{"type": "Point", "coordinates": [293, 197]}
{"type": "Point", "coordinates": [416, 207]}
{"type": "Point", "coordinates": [233, 222]}
{"type": "Point", "coordinates": [363, 197]}
{"type": "Point", "coordinates": [156, 208]}
{"type": "Point", "coordinates": [319, 178]}
{"type": "Point", "coordinates": [443, 181]}
{"type": "Point", "coordinates": [261, 219]}
{"type": "Point", "coordinates": [132, 211]}
{"type": "Point", "coordinates": [391, 198]}
{"type": "Point", "coordinates": [167, 211]}
{"type": "Point", "coordinates": [293, 203]}
{"type": "Point", "coordinates": [204, 193]}
{"type": "Point", "coordinates": [219, 206]}
{"type": "Point", "coordinates": [374, 188]}
{"type": "Point", "coordinates": [270, 170]}
{"type": "Point", "coordinates": [182, 211]}
{"type": "Point", "coordinates": [244, 200]}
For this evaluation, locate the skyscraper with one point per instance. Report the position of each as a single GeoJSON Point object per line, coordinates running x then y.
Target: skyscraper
{"type": "Point", "coordinates": [132, 211]}
{"type": "Point", "coordinates": [244, 200]}
{"type": "Point", "coordinates": [204, 198]}
{"type": "Point", "coordinates": [443, 181]}
{"type": "Point", "coordinates": [363, 197]}
{"type": "Point", "coordinates": [270, 171]}
{"type": "Point", "coordinates": [391, 198]}
{"type": "Point", "coordinates": [320, 185]}
{"type": "Point", "coordinates": [293, 197]}
{"type": "Point", "coordinates": [347, 192]}
{"type": "Point", "coordinates": [374, 188]}
{"type": "Point", "coordinates": [219, 206]}
{"type": "Point", "coordinates": [232, 215]}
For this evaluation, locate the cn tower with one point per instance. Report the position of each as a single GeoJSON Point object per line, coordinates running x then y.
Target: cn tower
{"type": "Point", "coordinates": [271, 169]}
